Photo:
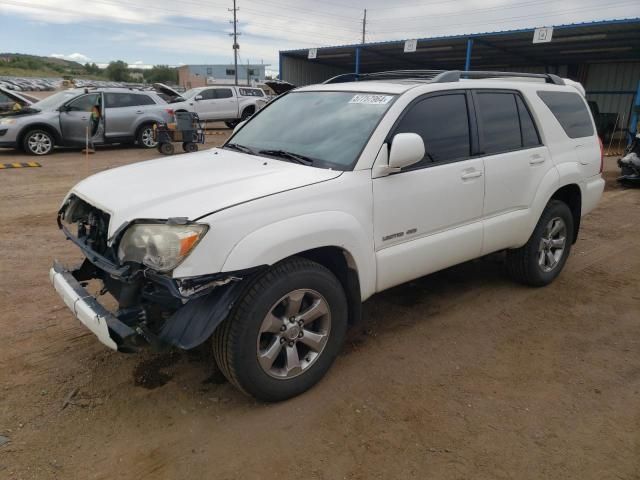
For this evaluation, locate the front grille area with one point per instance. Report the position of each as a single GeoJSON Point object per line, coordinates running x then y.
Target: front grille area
{"type": "Point", "coordinates": [90, 224]}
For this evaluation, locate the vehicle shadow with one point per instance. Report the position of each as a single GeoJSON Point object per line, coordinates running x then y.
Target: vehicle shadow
{"type": "Point", "coordinates": [398, 308]}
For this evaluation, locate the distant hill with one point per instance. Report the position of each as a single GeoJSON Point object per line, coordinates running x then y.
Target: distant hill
{"type": "Point", "coordinates": [22, 65]}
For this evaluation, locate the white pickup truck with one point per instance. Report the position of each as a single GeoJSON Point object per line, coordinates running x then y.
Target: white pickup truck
{"type": "Point", "coordinates": [231, 104]}
{"type": "Point", "coordinates": [267, 246]}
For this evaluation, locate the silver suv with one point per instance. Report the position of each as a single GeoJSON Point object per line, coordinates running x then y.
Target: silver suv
{"type": "Point", "coordinates": [71, 117]}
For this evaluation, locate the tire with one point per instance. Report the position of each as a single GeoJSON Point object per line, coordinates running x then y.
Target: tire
{"type": "Point", "coordinates": [145, 137]}
{"type": "Point", "coordinates": [543, 257]}
{"type": "Point", "coordinates": [166, 148]}
{"type": "Point", "coordinates": [38, 142]}
{"type": "Point", "coordinates": [189, 147]}
{"type": "Point", "coordinates": [232, 124]}
{"type": "Point", "coordinates": [256, 347]}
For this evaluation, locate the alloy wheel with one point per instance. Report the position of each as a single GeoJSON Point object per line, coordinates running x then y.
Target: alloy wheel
{"type": "Point", "coordinates": [552, 244]}
{"type": "Point", "coordinates": [40, 143]}
{"type": "Point", "coordinates": [293, 334]}
{"type": "Point", "coordinates": [147, 138]}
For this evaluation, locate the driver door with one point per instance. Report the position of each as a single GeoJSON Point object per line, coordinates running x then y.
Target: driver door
{"type": "Point", "coordinates": [428, 216]}
{"type": "Point", "coordinates": [76, 119]}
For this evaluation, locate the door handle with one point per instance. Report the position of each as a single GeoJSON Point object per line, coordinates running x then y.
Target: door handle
{"type": "Point", "coordinates": [83, 118]}
{"type": "Point", "coordinates": [139, 112]}
{"type": "Point", "coordinates": [536, 159]}
{"type": "Point", "coordinates": [470, 175]}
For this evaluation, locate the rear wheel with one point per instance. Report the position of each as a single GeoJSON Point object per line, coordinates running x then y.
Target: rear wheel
{"type": "Point", "coordinates": [285, 332]}
{"type": "Point", "coordinates": [38, 142]}
{"type": "Point", "coordinates": [231, 124]}
{"type": "Point", "coordinates": [542, 258]}
{"type": "Point", "coordinates": [146, 137]}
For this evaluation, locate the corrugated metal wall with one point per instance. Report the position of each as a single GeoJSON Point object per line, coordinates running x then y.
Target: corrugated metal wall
{"type": "Point", "coordinates": [615, 78]}
{"type": "Point", "coordinates": [301, 72]}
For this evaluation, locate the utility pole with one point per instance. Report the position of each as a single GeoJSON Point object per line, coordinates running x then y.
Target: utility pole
{"type": "Point", "coordinates": [235, 39]}
{"type": "Point", "coordinates": [364, 25]}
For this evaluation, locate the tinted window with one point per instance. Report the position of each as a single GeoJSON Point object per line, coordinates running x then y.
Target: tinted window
{"type": "Point", "coordinates": [209, 94]}
{"type": "Point", "coordinates": [117, 100]}
{"type": "Point", "coordinates": [251, 92]}
{"type": "Point", "coordinates": [84, 103]}
{"type": "Point", "coordinates": [499, 123]}
{"type": "Point", "coordinates": [443, 124]}
{"type": "Point", "coordinates": [231, 71]}
{"type": "Point", "coordinates": [571, 111]}
{"type": "Point", "coordinates": [530, 136]}
{"type": "Point", "coordinates": [224, 93]}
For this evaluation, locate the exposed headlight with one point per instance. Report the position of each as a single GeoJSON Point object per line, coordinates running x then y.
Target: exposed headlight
{"type": "Point", "coordinates": [7, 121]}
{"type": "Point", "coordinates": [159, 246]}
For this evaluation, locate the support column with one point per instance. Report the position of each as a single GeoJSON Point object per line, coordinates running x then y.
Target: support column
{"type": "Point", "coordinates": [280, 67]}
{"type": "Point", "coordinates": [633, 121]}
{"type": "Point", "coordinates": [357, 69]}
{"type": "Point", "coordinates": [467, 62]}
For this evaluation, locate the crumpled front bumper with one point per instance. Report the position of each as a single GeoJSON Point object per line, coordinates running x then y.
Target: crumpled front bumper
{"type": "Point", "coordinates": [109, 329]}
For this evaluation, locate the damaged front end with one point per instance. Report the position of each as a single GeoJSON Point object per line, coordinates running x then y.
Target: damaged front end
{"type": "Point", "coordinates": [153, 307]}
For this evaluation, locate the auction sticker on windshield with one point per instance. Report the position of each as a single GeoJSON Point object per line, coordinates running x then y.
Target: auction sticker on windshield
{"type": "Point", "coordinates": [371, 99]}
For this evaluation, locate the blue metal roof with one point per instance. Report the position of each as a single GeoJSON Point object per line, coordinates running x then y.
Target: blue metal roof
{"type": "Point", "coordinates": [597, 23]}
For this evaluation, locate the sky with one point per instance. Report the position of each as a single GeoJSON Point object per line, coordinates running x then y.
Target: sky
{"type": "Point", "coordinates": [147, 32]}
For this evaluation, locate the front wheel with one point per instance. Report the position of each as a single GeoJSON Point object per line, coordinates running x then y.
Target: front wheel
{"type": "Point", "coordinates": [542, 258]}
{"type": "Point", "coordinates": [285, 332]}
{"type": "Point", "coordinates": [38, 142]}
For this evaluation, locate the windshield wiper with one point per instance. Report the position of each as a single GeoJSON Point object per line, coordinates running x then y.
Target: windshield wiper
{"type": "Point", "coordinates": [296, 157]}
{"type": "Point", "coordinates": [239, 148]}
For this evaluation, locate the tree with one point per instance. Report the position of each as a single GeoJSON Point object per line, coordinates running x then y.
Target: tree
{"type": "Point", "coordinates": [92, 68]}
{"type": "Point", "coordinates": [118, 71]}
{"type": "Point", "coordinates": [161, 74]}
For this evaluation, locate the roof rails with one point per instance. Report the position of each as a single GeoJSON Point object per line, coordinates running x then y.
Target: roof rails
{"type": "Point", "coordinates": [440, 76]}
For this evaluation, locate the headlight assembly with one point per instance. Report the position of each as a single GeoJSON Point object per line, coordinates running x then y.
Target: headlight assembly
{"type": "Point", "coordinates": [7, 121]}
{"type": "Point", "coordinates": [159, 246]}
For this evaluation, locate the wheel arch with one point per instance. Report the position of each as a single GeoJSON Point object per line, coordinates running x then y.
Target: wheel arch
{"type": "Point", "coordinates": [571, 195]}
{"type": "Point", "coordinates": [57, 137]}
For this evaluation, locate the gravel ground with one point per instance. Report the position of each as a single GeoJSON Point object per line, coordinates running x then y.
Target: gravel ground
{"type": "Point", "coordinates": [461, 374]}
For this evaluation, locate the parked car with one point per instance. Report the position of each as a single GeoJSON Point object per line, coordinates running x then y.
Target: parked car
{"type": "Point", "coordinates": [11, 101]}
{"type": "Point", "coordinates": [231, 104]}
{"type": "Point", "coordinates": [328, 195]}
{"type": "Point", "coordinates": [110, 115]}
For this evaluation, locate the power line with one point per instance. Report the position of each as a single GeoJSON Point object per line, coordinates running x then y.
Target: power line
{"type": "Point", "coordinates": [522, 17]}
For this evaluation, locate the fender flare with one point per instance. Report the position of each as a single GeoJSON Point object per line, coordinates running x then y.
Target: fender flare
{"type": "Point", "coordinates": [277, 241]}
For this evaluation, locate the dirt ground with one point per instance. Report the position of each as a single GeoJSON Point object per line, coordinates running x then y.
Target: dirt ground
{"type": "Point", "coordinates": [461, 374]}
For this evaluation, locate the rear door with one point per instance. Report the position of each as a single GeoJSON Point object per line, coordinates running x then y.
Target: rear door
{"type": "Point", "coordinates": [515, 162]}
{"type": "Point", "coordinates": [122, 112]}
{"type": "Point", "coordinates": [76, 120]}
{"type": "Point", "coordinates": [226, 104]}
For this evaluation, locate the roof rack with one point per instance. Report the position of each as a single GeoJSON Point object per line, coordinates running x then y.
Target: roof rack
{"type": "Point", "coordinates": [440, 76]}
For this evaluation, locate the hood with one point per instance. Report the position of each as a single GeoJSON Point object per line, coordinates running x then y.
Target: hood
{"type": "Point", "coordinates": [192, 185]}
{"type": "Point", "coordinates": [168, 91]}
{"type": "Point", "coordinates": [279, 87]}
{"type": "Point", "coordinates": [17, 97]}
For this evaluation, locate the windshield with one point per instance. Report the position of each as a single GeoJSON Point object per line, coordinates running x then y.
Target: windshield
{"type": "Point", "coordinates": [329, 128]}
{"type": "Point", "coordinates": [55, 100]}
{"type": "Point", "coordinates": [190, 93]}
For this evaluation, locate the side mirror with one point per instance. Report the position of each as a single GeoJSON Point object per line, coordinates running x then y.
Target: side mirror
{"type": "Point", "coordinates": [406, 149]}
{"type": "Point", "coordinates": [64, 108]}
{"type": "Point", "coordinates": [198, 97]}
{"type": "Point", "coordinates": [239, 126]}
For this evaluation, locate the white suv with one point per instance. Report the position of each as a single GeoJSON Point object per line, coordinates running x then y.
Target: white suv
{"type": "Point", "coordinates": [328, 195]}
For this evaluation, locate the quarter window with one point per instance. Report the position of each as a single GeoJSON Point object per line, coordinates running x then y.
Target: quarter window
{"type": "Point", "coordinates": [571, 112]}
{"type": "Point", "coordinates": [499, 122]}
{"type": "Point", "coordinates": [224, 93]}
{"type": "Point", "coordinates": [443, 124]}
